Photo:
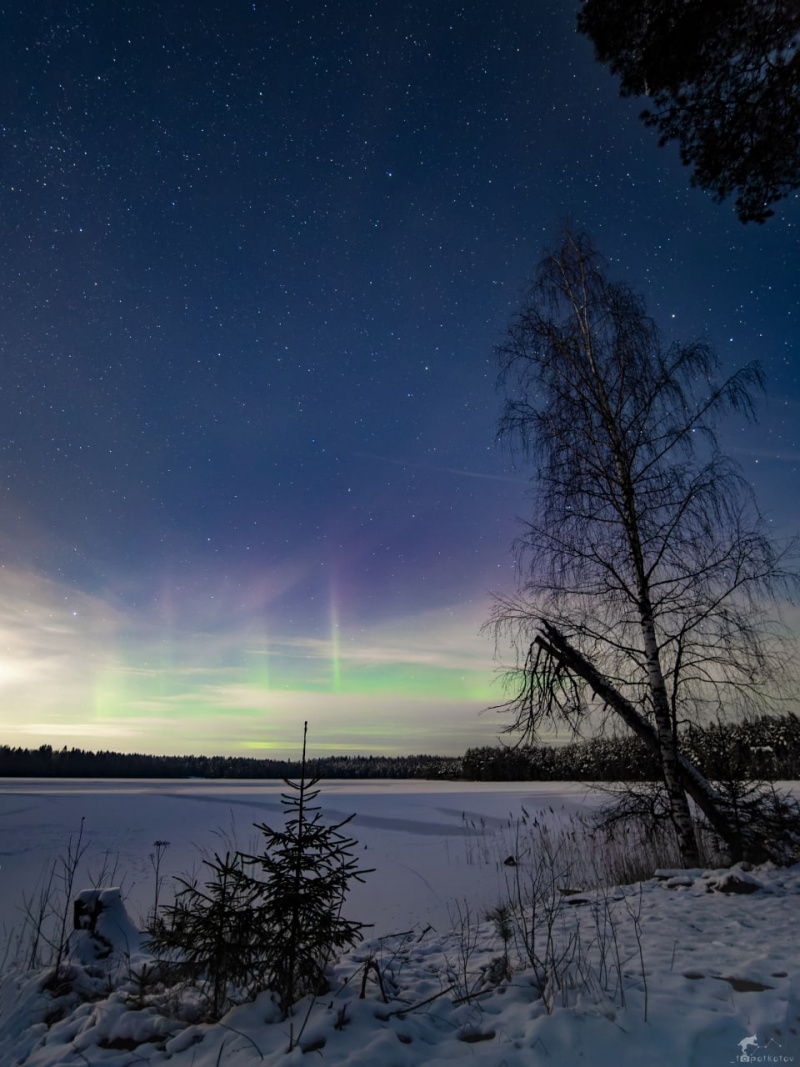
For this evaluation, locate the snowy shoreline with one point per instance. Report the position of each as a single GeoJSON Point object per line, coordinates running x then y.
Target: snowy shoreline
{"type": "Point", "coordinates": [716, 973]}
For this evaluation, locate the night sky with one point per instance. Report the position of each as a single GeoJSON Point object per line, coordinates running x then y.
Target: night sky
{"type": "Point", "coordinates": [254, 260]}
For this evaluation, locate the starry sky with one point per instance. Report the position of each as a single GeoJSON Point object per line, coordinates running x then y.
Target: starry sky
{"type": "Point", "coordinates": [255, 257]}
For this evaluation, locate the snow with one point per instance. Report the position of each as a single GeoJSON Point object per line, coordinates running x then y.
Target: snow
{"type": "Point", "coordinates": [697, 967]}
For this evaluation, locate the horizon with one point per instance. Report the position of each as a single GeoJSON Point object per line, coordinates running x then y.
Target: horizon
{"type": "Point", "coordinates": [286, 755]}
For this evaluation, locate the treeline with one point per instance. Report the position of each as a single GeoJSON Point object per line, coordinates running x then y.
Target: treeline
{"type": "Point", "coordinates": [767, 747]}
{"type": "Point", "coordinates": [49, 762]}
{"type": "Point", "coordinates": [602, 759]}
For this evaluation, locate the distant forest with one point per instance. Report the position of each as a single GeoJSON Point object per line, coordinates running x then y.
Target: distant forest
{"type": "Point", "coordinates": [766, 747]}
{"type": "Point", "coordinates": [48, 762]}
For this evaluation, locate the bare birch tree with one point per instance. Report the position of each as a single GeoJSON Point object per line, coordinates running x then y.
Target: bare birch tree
{"type": "Point", "coordinates": [647, 567]}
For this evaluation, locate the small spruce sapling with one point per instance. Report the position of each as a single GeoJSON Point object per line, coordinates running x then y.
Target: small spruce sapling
{"type": "Point", "coordinates": [271, 921]}
{"type": "Point", "coordinates": [210, 936]}
{"type": "Point", "coordinates": [308, 867]}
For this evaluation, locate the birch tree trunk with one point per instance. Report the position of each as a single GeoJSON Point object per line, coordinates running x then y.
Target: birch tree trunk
{"type": "Point", "coordinates": [614, 461]}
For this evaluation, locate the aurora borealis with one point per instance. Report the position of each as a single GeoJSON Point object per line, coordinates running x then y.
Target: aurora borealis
{"type": "Point", "coordinates": [255, 258]}
{"type": "Point", "coordinates": [84, 672]}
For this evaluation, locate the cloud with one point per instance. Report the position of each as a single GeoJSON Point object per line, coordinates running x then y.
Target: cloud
{"type": "Point", "coordinates": [52, 639]}
{"type": "Point", "coordinates": [457, 471]}
{"type": "Point", "coordinates": [54, 730]}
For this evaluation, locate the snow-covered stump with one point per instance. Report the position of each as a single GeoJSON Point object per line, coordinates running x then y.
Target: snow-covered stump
{"type": "Point", "coordinates": [100, 915]}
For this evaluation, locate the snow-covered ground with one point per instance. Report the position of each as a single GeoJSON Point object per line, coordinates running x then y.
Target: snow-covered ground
{"type": "Point", "coordinates": [701, 968]}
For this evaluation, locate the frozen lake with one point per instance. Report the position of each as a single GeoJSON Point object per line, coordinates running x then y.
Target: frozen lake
{"type": "Point", "coordinates": [432, 843]}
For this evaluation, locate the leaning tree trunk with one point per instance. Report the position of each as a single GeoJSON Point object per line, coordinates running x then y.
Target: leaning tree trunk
{"type": "Point", "coordinates": [741, 842]}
